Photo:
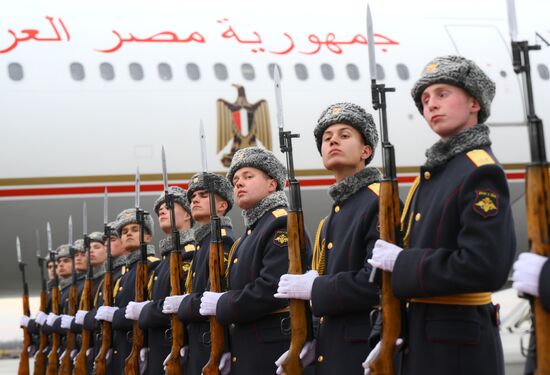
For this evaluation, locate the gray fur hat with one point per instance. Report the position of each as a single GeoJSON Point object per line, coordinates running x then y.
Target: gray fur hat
{"type": "Point", "coordinates": [128, 216]}
{"type": "Point", "coordinates": [259, 158]}
{"type": "Point", "coordinates": [180, 197]}
{"type": "Point", "coordinates": [62, 252]}
{"type": "Point", "coordinates": [220, 185]}
{"type": "Point", "coordinates": [353, 115]}
{"type": "Point", "coordinates": [461, 72]}
{"type": "Point", "coordinates": [96, 237]}
{"type": "Point", "coordinates": [78, 245]}
{"type": "Point", "coordinates": [114, 233]}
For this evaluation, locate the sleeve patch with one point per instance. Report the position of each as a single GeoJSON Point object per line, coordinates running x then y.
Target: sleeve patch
{"type": "Point", "coordinates": [486, 203]}
{"type": "Point", "coordinates": [281, 238]}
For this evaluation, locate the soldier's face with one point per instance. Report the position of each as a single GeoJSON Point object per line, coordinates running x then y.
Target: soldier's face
{"type": "Point", "coordinates": [51, 269]}
{"type": "Point", "coordinates": [343, 148]}
{"type": "Point", "coordinates": [183, 219]}
{"type": "Point", "coordinates": [200, 206]}
{"type": "Point", "coordinates": [116, 247]}
{"type": "Point", "coordinates": [130, 237]}
{"type": "Point", "coordinates": [80, 261]}
{"type": "Point", "coordinates": [64, 267]}
{"type": "Point", "coordinates": [251, 185]}
{"type": "Point", "coordinates": [98, 253]}
{"type": "Point", "coordinates": [449, 109]}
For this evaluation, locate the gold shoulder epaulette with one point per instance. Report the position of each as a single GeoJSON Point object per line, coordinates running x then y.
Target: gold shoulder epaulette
{"type": "Point", "coordinates": [480, 157]}
{"type": "Point", "coordinates": [375, 188]}
{"type": "Point", "coordinates": [189, 247]}
{"type": "Point", "coordinates": [152, 258]}
{"type": "Point", "coordinates": [280, 212]}
{"type": "Point", "coordinates": [224, 232]}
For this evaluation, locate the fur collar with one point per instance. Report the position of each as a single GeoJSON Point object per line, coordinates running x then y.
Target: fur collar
{"type": "Point", "coordinates": [442, 151]}
{"type": "Point", "coordinates": [344, 189]}
{"type": "Point", "coordinates": [274, 200]}
{"type": "Point", "coordinates": [202, 231]}
{"type": "Point", "coordinates": [64, 282]}
{"type": "Point", "coordinates": [119, 261]}
{"type": "Point", "coordinates": [135, 255]}
{"type": "Point", "coordinates": [186, 236]}
{"type": "Point", "coordinates": [99, 271]}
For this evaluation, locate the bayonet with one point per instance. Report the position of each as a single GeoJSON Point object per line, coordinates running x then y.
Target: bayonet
{"type": "Point", "coordinates": [203, 148]}
{"type": "Point", "coordinates": [84, 218]}
{"type": "Point", "coordinates": [105, 207]}
{"type": "Point", "coordinates": [18, 246]}
{"type": "Point", "coordinates": [136, 201]}
{"type": "Point", "coordinates": [278, 96]}
{"type": "Point", "coordinates": [512, 20]}
{"type": "Point", "coordinates": [70, 231]}
{"type": "Point", "coordinates": [370, 45]}
{"type": "Point", "coordinates": [164, 172]}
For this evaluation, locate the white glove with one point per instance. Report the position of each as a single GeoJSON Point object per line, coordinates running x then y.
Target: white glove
{"type": "Point", "coordinates": [41, 317]}
{"type": "Point", "coordinates": [79, 317]}
{"type": "Point", "coordinates": [172, 303]}
{"type": "Point", "coordinates": [51, 319]}
{"type": "Point", "coordinates": [307, 356]}
{"type": "Point", "coordinates": [384, 255]}
{"type": "Point", "coordinates": [134, 309]}
{"type": "Point", "coordinates": [209, 301]}
{"type": "Point", "coordinates": [106, 313]}
{"type": "Point", "coordinates": [527, 273]}
{"type": "Point", "coordinates": [24, 321]}
{"type": "Point", "coordinates": [225, 363]}
{"type": "Point", "coordinates": [66, 321]}
{"type": "Point", "coordinates": [376, 352]}
{"type": "Point", "coordinates": [183, 353]}
{"type": "Point", "coordinates": [296, 286]}
{"type": "Point", "coordinates": [143, 357]}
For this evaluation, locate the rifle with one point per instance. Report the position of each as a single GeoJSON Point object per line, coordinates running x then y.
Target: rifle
{"type": "Point", "coordinates": [131, 364]}
{"type": "Point", "coordinates": [100, 362]}
{"type": "Point", "coordinates": [53, 357]}
{"type": "Point", "coordinates": [173, 366]}
{"type": "Point", "coordinates": [389, 218]}
{"type": "Point", "coordinates": [70, 342]}
{"type": "Point", "coordinates": [537, 188]}
{"type": "Point", "coordinates": [300, 316]}
{"type": "Point", "coordinates": [40, 356]}
{"type": "Point", "coordinates": [24, 355]}
{"type": "Point", "coordinates": [81, 362]}
{"type": "Point", "coordinates": [216, 268]}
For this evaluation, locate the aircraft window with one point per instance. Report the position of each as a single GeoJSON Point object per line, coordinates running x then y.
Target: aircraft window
{"type": "Point", "coordinates": [136, 71]}
{"type": "Point", "coordinates": [301, 72]}
{"type": "Point", "coordinates": [248, 72]}
{"type": "Point", "coordinates": [270, 68]}
{"type": "Point", "coordinates": [403, 72]}
{"type": "Point", "coordinates": [543, 72]}
{"type": "Point", "coordinates": [380, 74]}
{"type": "Point", "coordinates": [503, 73]}
{"type": "Point", "coordinates": [193, 71]}
{"type": "Point", "coordinates": [107, 72]}
{"type": "Point", "coordinates": [165, 72]}
{"type": "Point", "coordinates": [327, 72]}
{"type": "Point", "coordinates": [220, 71]}
{"type": "Point", "coordinates": [15, 71]}
{"type": "Point", "coordinates": [353, 72]}
{"type": "Point", "coordinates": [77, 71]}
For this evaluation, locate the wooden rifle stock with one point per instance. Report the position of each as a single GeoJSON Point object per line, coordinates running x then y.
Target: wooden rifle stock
{"type": "Point", "coordinates": [66, 362]}
{"type": "Point", "coordinates": [40, 356]}
{"type": "Point", "coordinates": [81, 363]}
{"type": "Point", "coordinates": [173, 366]}
{"type": "Point", "coordinates": [24, 355]}
{"type": "Point", "coordinates": [131, 365]}
{"type": "Point", "coordinates": [298, 309]}
{"type": "Point", "coordinates": [389, 217]}
{"type": "Point", "coordinates": [100, 362]}
{"type": "Point", "coordinates": [538, 226]}
{"type": "Point", "coordinates": [216, 268]}
{"type": "Point", "coordinates": [53, 358]}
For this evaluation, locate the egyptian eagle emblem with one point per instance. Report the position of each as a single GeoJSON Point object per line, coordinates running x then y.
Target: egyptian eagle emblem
{"type": "Point", "coordinates": [243, 122]}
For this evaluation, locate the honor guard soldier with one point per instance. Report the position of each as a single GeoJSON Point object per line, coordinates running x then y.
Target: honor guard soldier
{"type": "Point", "coordinates": [338, 286]}
{"type": "Point", "coordinates": [149, 313]}
{"type": "Point", "coordinates": [259, 324]}
{"type": "Point", "coordinates": [128, 230]}
{"type": "Point", "coordinates": [187, 306]}
{"type": "Point", "coordinates": [459, 238]}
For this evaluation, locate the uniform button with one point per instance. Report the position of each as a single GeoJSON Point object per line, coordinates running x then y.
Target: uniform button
{"type": "Point", "coordinates": [320, 359]}
{"type": "Point", "coordinates": [337, 209]}
{"type": "Point", "coordinates": [115, 351]}
{"type": "Point", "coordinates": [249, 231]}
{"type": "Point", "coordinates": [193, 274]}
{"type": "Point", "coordinates": [235, 260]}
{"type": "Point", "coordinates": [100, 293]}
{"type": "Point", "coordinates": [322, 320]}
{"type": "Point", "coordinates": [232, 325]}
{"type": "Point", "coordinates": [198, 247]}
{"type": "Point", "coordinates": [329, 246]}
{"type": "Point", "coordinates": [234, 359]}
{"type": "Point", "coordinates": [417, 217]}
{"type": "Point", "coordinates": [156, 277]}
{"type": "Point", "coordinates": [119, 289]}
{"type": "Point", "coordinates": [427, 175]}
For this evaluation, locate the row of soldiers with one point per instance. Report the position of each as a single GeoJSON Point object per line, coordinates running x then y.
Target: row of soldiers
{"type": "Point", "coordinates": [458, 247]}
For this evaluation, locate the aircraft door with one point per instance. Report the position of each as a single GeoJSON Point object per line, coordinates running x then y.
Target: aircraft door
{"type": "Point", "coordinates": [488, 48]}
